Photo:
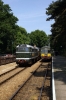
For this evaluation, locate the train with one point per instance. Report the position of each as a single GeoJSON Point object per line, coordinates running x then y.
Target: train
{"type": "Point", "coordinates": [46, 53]}
{"type": "Point", "coordinates": [27, 54]}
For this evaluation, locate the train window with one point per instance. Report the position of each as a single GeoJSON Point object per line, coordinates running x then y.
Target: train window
{"type": "Point", "coordinates": [44, 51]}
{"type": "Point", "coordinates": [21, 50]}
{"type": "Point", "coordinates": [26, 50]}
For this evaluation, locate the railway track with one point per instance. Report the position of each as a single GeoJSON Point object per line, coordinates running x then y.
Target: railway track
{"type": "Point", "coordinates": [8, 71]}
{"type": "Point", "coordinates": [10, 86]}
{"type": "Point", "coordinates": [46, 88]}
{"type": "Point", "coordinates": [33, 87]}
{"type": "Point", "coordinates": [10, 74]}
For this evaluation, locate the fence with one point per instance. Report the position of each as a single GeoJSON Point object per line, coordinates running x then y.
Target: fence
{"type": "Point", "coordinates": [6, 60]}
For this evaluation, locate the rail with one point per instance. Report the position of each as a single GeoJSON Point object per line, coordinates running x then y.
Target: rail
{"type": "Point", "coordinates": [43, 84]}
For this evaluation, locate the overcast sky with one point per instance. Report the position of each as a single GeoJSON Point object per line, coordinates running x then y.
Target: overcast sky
{"type": "Point", "coordinates": [31, 14]}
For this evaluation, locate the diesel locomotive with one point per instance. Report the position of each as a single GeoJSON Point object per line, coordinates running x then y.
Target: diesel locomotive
{"type": "Point", "coordinates": [46, 53]}
{"type": "Point", "coordinates": [27, 54]}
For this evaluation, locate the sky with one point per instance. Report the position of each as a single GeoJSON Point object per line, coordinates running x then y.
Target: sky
{"type": "Point", "coordinates": [31, 14]}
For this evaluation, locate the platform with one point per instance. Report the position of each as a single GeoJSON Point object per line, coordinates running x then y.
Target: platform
{"type": "Point", "coordinates": [59, 78]}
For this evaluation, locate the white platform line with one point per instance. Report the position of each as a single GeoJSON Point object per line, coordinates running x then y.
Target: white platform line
{"type": "Point", "coordinates": [53, 83]}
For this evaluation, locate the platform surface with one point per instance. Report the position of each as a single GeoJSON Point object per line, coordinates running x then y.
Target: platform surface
{"type": "Point", "coordinates": [59, 67]}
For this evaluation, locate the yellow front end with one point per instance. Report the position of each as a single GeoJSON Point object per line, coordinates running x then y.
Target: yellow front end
{"type": "Point", "coordinates": [46, 56]}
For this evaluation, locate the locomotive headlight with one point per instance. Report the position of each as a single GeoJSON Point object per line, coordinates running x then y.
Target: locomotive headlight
{"type": "Point", "coordinates": [42, 54]}
{"type": "Point", "coordinates": [49, 55]}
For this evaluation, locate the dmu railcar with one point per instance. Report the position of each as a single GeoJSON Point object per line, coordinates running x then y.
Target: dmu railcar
{"type": "Point", "coordinates": [27, 54]}
{"type": "Point", "coordinates": [46, 53]}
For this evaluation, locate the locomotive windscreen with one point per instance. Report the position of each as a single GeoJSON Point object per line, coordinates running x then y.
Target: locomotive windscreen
{"type": "Point", "coordinates": [45, 50]}
{"type": "Point", "coordinates": [20, 49]}
{"type": "Point", "coordinates": [25, 49]}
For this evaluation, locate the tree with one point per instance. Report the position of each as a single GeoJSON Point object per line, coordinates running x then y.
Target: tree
{"type": "Point", "coordinates": [22, 37]}
{"type": "Point", "coordinates": [22, 30]}
{"type": "Point", "coordinates": [57, 11]}
{"type": "Point", "coordinates": [38, 38]}
{"type": "Point", "coordinates": [8, 27]}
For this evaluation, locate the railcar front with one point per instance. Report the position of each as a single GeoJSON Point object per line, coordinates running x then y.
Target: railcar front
{"type": "Point", "coordinates": [46, 53]}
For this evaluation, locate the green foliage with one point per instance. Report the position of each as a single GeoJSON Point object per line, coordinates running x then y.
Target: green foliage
{"type": "Point", "coordinates": [23, 30]}
{"type": "Point", "coordinates": [38, 38]}
{"type": "Point", "coordinates": [8, 27]}
{"type": "Point", "coordinates": [22, 38]}
{"type": "Point", "coordinates": [57, 11]}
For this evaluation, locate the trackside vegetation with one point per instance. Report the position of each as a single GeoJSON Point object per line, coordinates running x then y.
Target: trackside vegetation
{"type": "Point", "coordinates": [57, 12]}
